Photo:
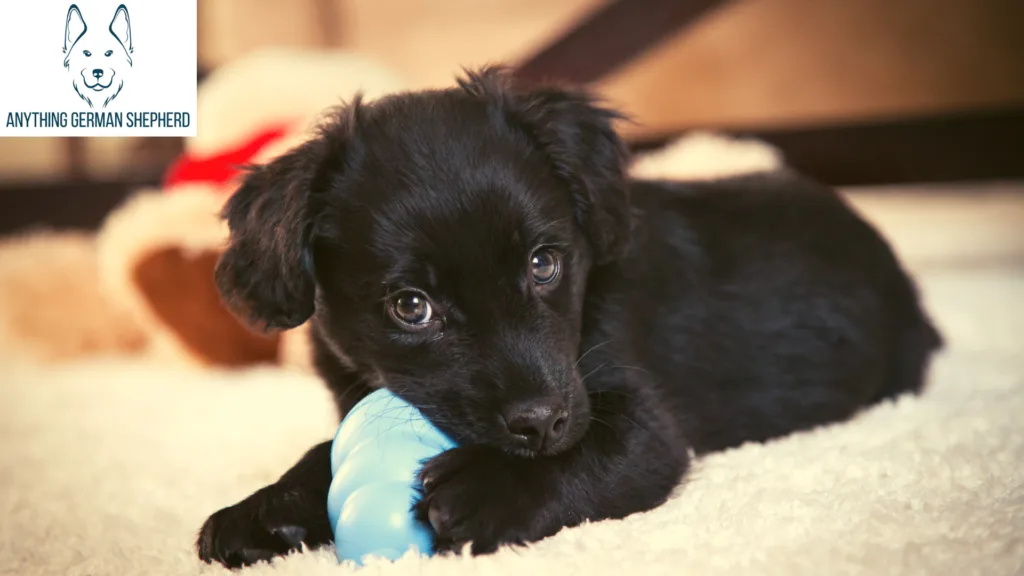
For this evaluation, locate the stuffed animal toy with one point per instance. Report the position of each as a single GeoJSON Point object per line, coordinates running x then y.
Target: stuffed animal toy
{"type": "Point", "coordinates": [157, 252]}
{"type": "Point", "coordinates": [154, 255]}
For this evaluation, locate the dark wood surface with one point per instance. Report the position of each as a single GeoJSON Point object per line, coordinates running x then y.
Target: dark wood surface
{"type": "Point", "coordinates": [59, 205]}
{"type": "Point", "coordinates": [609, 37]}
{"type": "Point", "coordinates": [950, 147]}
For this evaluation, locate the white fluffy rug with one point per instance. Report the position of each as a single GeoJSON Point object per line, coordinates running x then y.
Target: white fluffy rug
{"type": "Point", "coordinates": [109, 466]}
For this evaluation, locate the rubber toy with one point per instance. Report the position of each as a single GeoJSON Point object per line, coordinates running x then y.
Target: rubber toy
{"type": "Point", "coordinates": [376, 455]}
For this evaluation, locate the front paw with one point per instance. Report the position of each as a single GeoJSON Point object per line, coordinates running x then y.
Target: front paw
{"type": "Point", "coordinates": [267, 524]}
{"type": "Point", "coordinates": [481, 495]}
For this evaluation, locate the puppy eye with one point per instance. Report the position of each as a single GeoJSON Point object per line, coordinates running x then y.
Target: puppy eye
{"type": "Point", "coordinates": [411, 309]}
{"type": "Point", "coordinates": [108, 53]}
{"type": "Point", "coordinates": [87, 53]}
{"type": "Point", "coordinates": [544, 265]}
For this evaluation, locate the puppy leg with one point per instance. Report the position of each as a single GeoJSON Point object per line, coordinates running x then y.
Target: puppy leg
{"type": "Point", "coordinates": [629, 460]}
{"type": "Point", "coordinates": [276, 519]}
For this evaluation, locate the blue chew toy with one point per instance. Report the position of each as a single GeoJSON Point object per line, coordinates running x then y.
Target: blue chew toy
{"type": "Point", "coordinates": [380, 447]}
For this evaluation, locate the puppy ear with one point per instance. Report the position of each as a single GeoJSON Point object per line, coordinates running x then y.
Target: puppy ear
{"type": "Point", "coordinates": [121, 28]}
{"type": "Point", "coordinates": [74, 28]}
{"type": "Point", "coordinates": [266, 274]}
{"type": "Point", "coordinates": [577, 135]}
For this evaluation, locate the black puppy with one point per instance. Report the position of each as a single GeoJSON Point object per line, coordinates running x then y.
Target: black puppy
{"type": "Point", "coordinates": [480, 252]}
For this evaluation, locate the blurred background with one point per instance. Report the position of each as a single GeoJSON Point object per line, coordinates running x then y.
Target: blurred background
{"type": "Point", "coordinates": [852, 91]}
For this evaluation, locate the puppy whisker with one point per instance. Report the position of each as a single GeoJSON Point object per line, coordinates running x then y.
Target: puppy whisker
{"type": "Point", "coordinates": [592, 372]}
{"type": "Point", "coordinates": [591, 349]}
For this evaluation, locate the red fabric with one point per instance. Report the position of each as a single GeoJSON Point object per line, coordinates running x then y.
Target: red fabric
{"type": "Point", "coordinates": [221, 168]}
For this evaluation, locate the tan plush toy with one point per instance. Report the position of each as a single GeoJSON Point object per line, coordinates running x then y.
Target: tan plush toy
{"type": "Point", "coordinates": [156, 253]}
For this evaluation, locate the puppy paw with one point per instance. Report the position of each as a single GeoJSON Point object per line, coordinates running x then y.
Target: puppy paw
{"type": "Point", "coordinates": [481, 495]}
{"type": "Point", "coordinates": [267, 524]}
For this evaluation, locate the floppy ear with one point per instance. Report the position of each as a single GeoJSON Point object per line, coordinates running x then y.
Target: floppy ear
{"type": "Point", "coordinates": [74, 28]}
{"type": "Point", "coordinates": [266, 274]}
{"type": "Point", "coordinates": [121, 28]}
{"type": "Point", "coordinates": [585, 151]}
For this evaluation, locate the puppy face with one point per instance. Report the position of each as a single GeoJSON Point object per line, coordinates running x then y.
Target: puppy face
{"type": "Point", "coordinates": [443, 242]}
{"type": "Point", "coordinates": [97, 58]}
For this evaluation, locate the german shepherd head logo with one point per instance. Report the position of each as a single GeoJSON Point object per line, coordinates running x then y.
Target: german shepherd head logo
{"type": "Point", "coordinates": [98, 59]}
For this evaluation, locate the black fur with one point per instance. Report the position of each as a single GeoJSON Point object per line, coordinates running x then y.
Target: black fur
{"type": "Point", "coordinates": [684, 318]}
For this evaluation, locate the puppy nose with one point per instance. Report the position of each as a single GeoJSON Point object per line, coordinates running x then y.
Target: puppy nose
{"type": "Point", "coordinates": [97, 73]}
{"type": "Point", "coordinates": [540, 424]}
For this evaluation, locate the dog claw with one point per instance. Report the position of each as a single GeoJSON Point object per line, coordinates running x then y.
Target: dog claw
{"type": "Point", "coordinates": [291, 534]}
{"type": "Point", "coordinates": [250, 556]}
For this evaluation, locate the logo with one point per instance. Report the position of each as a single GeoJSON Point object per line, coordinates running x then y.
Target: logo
{"type": "Point", "coordinates": [98, 59]}
{"type": "Point", "coordinates": [98, 68]}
